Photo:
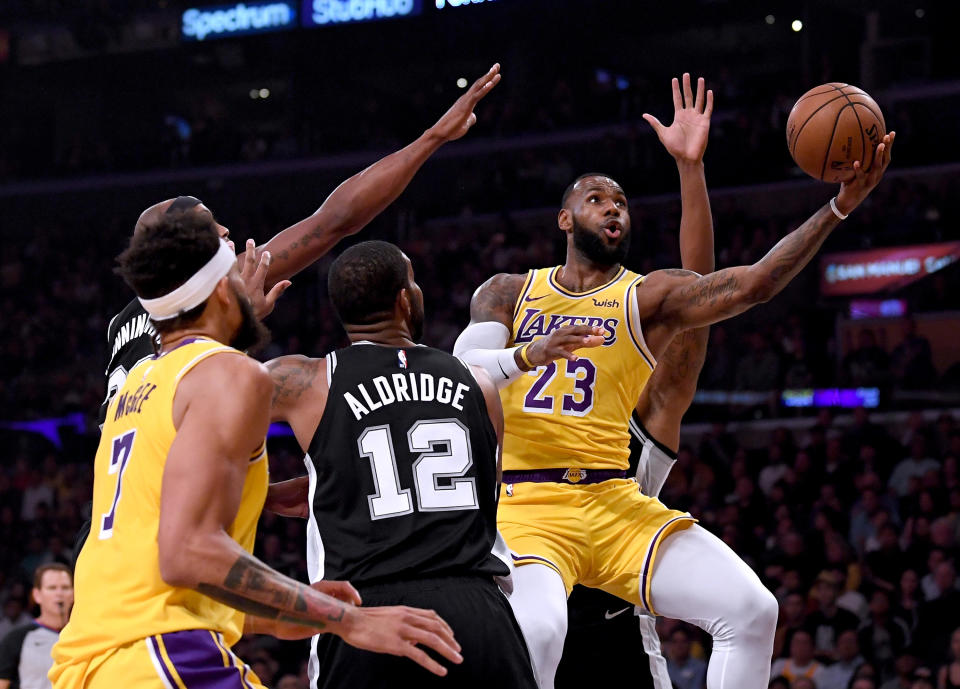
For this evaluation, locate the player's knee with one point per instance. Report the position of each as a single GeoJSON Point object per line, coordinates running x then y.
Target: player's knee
{"type": "Point", "coordinates": [763, 607]}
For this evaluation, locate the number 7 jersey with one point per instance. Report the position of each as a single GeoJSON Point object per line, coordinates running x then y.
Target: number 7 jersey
{"type": "Point", "coordinates": [575, 414]}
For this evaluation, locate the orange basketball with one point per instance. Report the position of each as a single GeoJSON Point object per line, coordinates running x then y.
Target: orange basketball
{"type": "Point", "coordinates": [830, 127]}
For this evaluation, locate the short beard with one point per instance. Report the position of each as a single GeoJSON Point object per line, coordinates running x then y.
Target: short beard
{"type": "Point", "coordinates": [594, 249]}
{"type": "Point", "coordinates": [252, 335]}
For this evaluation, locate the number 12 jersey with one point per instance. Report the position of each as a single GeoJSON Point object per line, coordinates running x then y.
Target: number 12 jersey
{"type": "Point", "coordinates": [402, 469]}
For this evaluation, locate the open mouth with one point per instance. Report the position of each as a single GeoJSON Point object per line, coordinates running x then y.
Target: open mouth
{"type": "Point", "coordinates": [613, 230]}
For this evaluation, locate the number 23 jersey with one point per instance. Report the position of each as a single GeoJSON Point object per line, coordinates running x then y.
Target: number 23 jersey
{"type": "Point", "coordinates": [575, 414]}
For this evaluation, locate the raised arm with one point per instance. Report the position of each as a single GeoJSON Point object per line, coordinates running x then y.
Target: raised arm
{"type": "Point", "coordinates": [671, 301]}
{"type": "Point", "coordinates": [361, 198]}
{"type": "Point", "coordinates": [670, 390]}
{"type": "Point", "coordinates": [202, 488]}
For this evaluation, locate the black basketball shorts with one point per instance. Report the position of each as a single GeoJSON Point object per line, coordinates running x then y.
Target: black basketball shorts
{"type": "Point", "coordinates": [494, 652]}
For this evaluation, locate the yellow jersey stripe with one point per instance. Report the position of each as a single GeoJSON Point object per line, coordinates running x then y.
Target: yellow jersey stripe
{"type": "Point", "coordinates": [162, 672]}
{"type": "Point", "coordinates": [165, 659]}
{"type": "Point", "coordinates": [632, 318]}
{"type": "Point", "coordinates": [223, 652]}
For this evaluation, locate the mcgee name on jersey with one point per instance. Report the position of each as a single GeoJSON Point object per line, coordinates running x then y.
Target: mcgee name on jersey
{"type": "Point", "coordinates": [404, 387]}
{"type": "Point", "coordinates": [535, 324]}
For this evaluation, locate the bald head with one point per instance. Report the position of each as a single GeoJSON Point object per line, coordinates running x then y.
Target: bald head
{"type": "Point", "coordinates": [182, 204]}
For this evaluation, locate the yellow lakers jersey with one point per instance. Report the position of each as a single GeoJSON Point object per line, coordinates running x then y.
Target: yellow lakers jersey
{"type": "Point", "coordinates": [575, 413]}
{"type": "Point", "coordinates": [120, 596]}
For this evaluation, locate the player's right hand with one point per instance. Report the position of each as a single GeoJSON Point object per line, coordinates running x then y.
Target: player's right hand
{"type": "Point", "coordinates": [253, 274]}
{"type": "Point", "coordinates": [563, 342]}
{"type": "Point", "coordinates": [457, 121]}
{"type": "Point", "coordinates": [400, 631]}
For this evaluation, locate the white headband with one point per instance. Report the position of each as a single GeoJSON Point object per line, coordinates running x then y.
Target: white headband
{"type": "Point", "coordinates": [195, 290]}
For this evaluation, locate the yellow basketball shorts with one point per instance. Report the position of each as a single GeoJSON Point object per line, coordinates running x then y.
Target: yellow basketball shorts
{"type": "Point", "coordinates": [603, 535]}
{"type": "Point", "coordinates": [190, 659]}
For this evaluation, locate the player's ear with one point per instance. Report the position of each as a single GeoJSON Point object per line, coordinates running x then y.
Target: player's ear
{"type": "Point", "coordinates": [404, 304]}
{"type": "Point", "coordinates": [222, 291]}
{"type": "Point", "coordinates": [565, 219]}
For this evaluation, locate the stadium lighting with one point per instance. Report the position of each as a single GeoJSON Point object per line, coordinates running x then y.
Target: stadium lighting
{"type": "Point", "coordinates": [797, 25]}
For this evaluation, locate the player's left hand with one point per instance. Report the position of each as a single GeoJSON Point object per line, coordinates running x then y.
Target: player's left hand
{"type": "Point", "coordinates": [686, 138]}
{"type": "Point", "coordinates": [855, 190]}
{"type": "Point", "coordinates": [460, 117]}
{"type": "Point", "coordinates": [253, 273]}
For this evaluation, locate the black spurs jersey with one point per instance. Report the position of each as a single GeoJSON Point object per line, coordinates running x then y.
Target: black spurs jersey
{"type": "Point", "coordinates": [131, 338]}
{"type": "Point", "coordinates": [402, 469]}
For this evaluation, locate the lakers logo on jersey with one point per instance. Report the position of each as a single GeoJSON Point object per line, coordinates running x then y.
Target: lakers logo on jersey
{"type": "Point", "coordinates": [575, 414]}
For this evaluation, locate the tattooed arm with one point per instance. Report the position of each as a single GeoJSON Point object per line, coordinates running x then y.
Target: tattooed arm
{"type": "Point", "coordinates": [299, 398]}
{"type": "Point", "coordinates": [674, 300]}
{"type": "Point", "coordinates": [221, 413]}
{"type": "Point", "coordinates": [299, 394]}
{"type": "Point", "coordinates": [491, 323]}
{"type": "Point", "coordinates": [361, 198]}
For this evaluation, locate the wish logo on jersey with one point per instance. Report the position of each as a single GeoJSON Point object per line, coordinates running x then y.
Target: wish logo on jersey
{"type": "Point", "coordinates": [536, 323]}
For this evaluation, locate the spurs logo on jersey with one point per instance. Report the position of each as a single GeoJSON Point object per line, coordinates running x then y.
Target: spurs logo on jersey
{"type": "Point", "coordinates": [581, 406]}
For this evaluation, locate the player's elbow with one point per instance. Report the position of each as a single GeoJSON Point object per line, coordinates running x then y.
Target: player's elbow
{"type": "Point", "coordinates": [757, 289]}
{"type": "Point", "coordinates": [177, 567]}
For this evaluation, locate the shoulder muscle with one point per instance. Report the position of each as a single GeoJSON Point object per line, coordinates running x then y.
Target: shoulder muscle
{"type": "Point", "coordinates": [495, 299]}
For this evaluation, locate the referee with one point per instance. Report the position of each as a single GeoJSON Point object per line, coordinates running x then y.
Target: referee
{"type": "Point", "coordinates": [25, 650]}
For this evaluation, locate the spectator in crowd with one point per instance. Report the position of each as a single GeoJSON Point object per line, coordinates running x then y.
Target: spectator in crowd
{"type": "Point", "coordinates": [938, 617]}
{"type": "Point", "coordinates": [886, 562]}
{"type": "Point", "coordinates": [827, 622]}
{"type": "Point", "coordinates": [912, 360]}
{"type": "Point", "coordinates": [779, 682]}
{"type": "Point", "coordinates": [760, 369]}
{"type": "Point", "coordinates": [686, 672]}
{"type": "Point", "coordinates": [912, 467]}
{"type": "Point", "coordinates": [13, 614]}
{"type": "Point", "coordinates": [884, 636]}
{"type": "Point", "coordinates": [793, 616]}
{"type": "Point", "coordinates": [904, 667]}
{"type": "Point", "coordinates": [868, 364]}
{"type": "Point", "coordinates": [837, 675]}
{"type": "Point", "coordinates": [909, 599]}
{"type": "Point", "coordinates": [922, 679]}
{"type": "Point", "coordinates": [948, 677]}
{"type": "Point", "coordinates": [800, 662]}
{"type": "Point", "coordinates": [25, 650]}
{"type": "Point", "coordinates": [803, 683]}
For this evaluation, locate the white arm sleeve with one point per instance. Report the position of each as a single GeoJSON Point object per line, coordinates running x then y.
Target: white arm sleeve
{"type": "Point", "coordinates": [482, 344]}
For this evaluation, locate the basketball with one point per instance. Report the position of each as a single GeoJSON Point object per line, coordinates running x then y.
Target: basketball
{"type": "Point", "coordinates": [830, 127]}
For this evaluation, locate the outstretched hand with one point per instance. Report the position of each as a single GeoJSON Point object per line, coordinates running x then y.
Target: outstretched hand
{"type": "Point", "coordinates": [563, 342]}
{"type": "Point", "coordinates": [253, 273]}
{"type": "Point", "coordinates": [460, 117]}
{"type": "Point", "coordinates": [854, 191]}
{"type": "Point", "coordinates": [686, 138]}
